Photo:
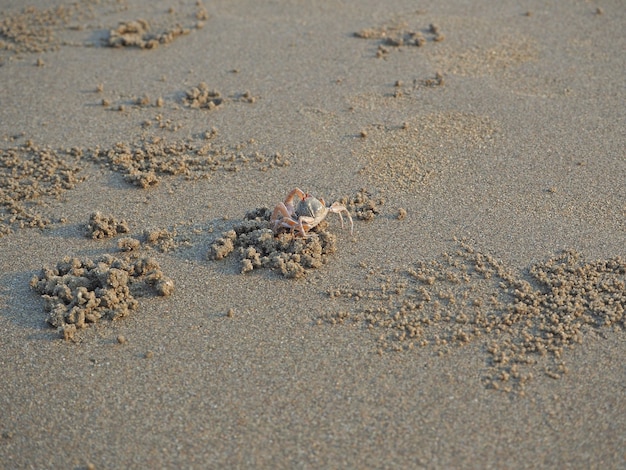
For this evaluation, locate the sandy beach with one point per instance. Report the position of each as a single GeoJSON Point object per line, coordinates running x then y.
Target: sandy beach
{"type": "Point", "coordinates": [156, 312]}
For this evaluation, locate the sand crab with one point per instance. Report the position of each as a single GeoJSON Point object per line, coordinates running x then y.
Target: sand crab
{"type": "Point", "coordinates": [306, 213]}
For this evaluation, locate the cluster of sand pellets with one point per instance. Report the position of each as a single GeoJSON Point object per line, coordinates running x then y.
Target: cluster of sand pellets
{"type": "Point", "coordinates": [399, 34]}
{"type": "Point", "coordinates": [466, 296]}
{"type": "Point", "coordinates": [362, 205]}
{"type": "Point", "coordinates": [203, 97]}
{"type": "Point", "coordinates": [35, 30]}
{"type": "Point", "coordinates": [162, 240]}
{"type": "Point", "coordinates": [146, 162]}
{"type": "Point", "coordinates": [256, 246]}
{"type": "Point", "coordinates": [28, 176]}
{"type": "Point", "coordinates": [436, 81]}
{"type": "Point", "coordinates": [101, 226]}
{"type": "Point", "coordinates": [105, 226]}
{"type": "Point", "coordinates": [138, 34]}
{"type": "Point", "coordinates": [142, 34]}
{"type": "Point", "coordinates": [78, 292]}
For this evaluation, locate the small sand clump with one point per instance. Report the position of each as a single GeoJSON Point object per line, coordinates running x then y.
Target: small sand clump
{"type": "Point", "coordinates": [256, 246]}
{"type": "Point", "coordinates": [105, 226]}
{"type": "Point", "coordinates": [398, 34]}
{"type": "Point", "coordinates": [80, 292]}
{"type": "Point", "coordinates": [437, 81]}
{"type": "Point", "coordinates": [137, 34]}
{"type": "Point", "coordinates": [128, 244]}
{"type": "Point", "coordinates": [362, 205]}
{"type": "Point", "coordinates": [202, 96]}
{"type": "Point", "coordinates": [163, 240]}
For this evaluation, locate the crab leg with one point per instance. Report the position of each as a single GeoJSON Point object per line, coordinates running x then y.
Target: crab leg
{"type": "Point", "coordinates": [296, 192]}
{"type": "Point", "coordinates": [340, 218]}
{"type": "Point", "coordinates": [280, 214]}
{"type": "Point", "coordinates": [338, 209]}
{"type": "Point", "coordinates": [303, 228]}
{"type": "Point", "coordinates": [350, 219]}
{"type": "Point", "coordinates": [281, 217]}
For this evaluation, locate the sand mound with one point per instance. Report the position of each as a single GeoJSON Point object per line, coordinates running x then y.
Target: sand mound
{"type": "Point", "coordinates": [256, 246]}
{"type": "Point", "coordinates": [79, 292]}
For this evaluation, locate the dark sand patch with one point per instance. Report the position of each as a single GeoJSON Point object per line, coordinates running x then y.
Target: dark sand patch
{"type": "Point", "coordinates": [80, 292]}
{"type": "Point", "coordinates": [526, 322]}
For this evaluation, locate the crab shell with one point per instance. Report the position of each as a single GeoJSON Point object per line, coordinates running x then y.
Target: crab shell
{"type": "Point", "coordinates": [313, 208]}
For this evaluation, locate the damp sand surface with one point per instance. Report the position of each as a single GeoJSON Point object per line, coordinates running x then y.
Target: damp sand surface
{"type": "Point", "coordinates": [153, 314]}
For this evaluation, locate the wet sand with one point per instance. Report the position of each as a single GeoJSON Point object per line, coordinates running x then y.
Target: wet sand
{"type": "Point", "coordinates": [152, 317]}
